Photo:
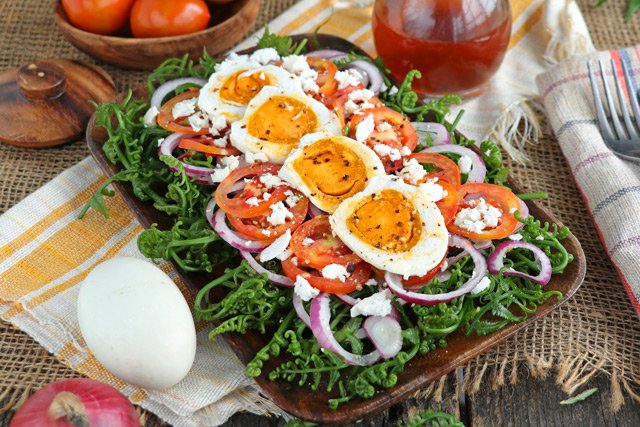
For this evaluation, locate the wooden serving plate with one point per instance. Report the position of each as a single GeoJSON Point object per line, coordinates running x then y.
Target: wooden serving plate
{"type": "Point", "coordinates": [304, 403]}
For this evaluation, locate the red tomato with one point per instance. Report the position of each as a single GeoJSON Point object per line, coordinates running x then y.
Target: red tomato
{"type": "Point", "coordinates": [339, 104]}
{"type": "Point", "coordinates": [326, 248]}
{"type": "Point", "coordinates": [445, 168]}
{"type": "Point", "coordinates": [175, 124]}
{"type": "Point", "coordinates": [329, 100]}
{"type": "Point", "coordinates": [497, 196]}
{"type": "Point", "coordinates": [238, 206]}
{"type": "Point", "coordinates": [449, 205]}
{"type": "Point", "coordinates": [326, 72]}
{"type": "Point", "coordinates": [164, 18]}
{"type": "Point", "coordinates": [259, 228]}
{"type": "Point", "coordinates": [401, 133]}
{"type": "Point", "coordinates": [360, 274]}
{"type": "Point", "coordinates": [204, 144]}
{"type": "Point", "coordinates": [98, 16]}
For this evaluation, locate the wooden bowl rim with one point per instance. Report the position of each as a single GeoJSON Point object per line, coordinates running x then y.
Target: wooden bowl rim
{"type": "Point", "coordinates": [62, 20]}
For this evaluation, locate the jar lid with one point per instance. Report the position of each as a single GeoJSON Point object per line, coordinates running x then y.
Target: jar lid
{"type": "Point", "coordinates": [44, 103]}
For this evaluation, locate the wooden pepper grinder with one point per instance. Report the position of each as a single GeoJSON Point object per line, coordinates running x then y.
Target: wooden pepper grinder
{"type": "Point", "coordinates": [45, 103]}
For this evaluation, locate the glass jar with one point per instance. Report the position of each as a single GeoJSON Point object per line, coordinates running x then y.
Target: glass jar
{"type": "Point", "coordinates": [457, 45]}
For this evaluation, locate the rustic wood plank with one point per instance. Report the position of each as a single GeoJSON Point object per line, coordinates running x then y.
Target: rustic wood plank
{"type": "Point", "coordinates": [534, 403]}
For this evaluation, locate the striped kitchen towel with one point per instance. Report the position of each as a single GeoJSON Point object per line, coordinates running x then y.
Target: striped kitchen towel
{"type": "Point", "coordinates": [610, 186]}
{"type": "Point", "coordinates": [543, 32]}
{"type": "Point", "coordinates": [45, 253]}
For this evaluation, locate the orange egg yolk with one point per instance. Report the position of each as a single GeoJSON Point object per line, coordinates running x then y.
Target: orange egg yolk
{"type": "Point", "coordinates": [331, 171]}
{"type": "Point", "coordinates": [240, 87]}
{"type": "Point", "coordinates": [283, 120]}
{"type": "Point", "coordinates": [386, 220]}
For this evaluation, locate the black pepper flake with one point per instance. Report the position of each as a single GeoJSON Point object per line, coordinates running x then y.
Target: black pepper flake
{"type": "Point", "coordinates": [345, 177]}
{"type": "Point", "coordinates": [399, 224]}
{"type": "Point", "coordinates": [316, 162]}
{"type": "Point", "coordinates": [378, 245]}
{"type": "Point", "coordinates": [327, 160]}
{"type": "Point", "coordinates": [351, 268]}
{"type": "Point", "coordinates": [397, 210]}
{"type": "Point", "coordinates": [356, 217]}
{"type": "Point", "coordinates": [378, 227]}
{"type": "Point", "coordinates": [346, 163]}
{"type": "Point", "coordinates": [375, 168]}
{"type": "Point", "coordinates": [268, 131]}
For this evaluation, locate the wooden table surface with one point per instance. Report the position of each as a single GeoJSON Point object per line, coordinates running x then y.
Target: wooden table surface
{"type": "Point", "coordinates": [529, 402]}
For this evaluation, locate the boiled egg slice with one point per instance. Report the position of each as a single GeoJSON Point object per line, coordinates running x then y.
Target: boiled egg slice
{"type": "Point", "coordinates": [276, 119]}
{"type": "Point", "coordinates": [392, 226]}
{"type": "Point", "coordinates": [330, 168]}
{"type": "Point", "coordinates": [229, 90]}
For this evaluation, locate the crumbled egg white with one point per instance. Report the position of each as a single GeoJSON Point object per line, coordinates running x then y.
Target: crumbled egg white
{"type": "Point", "coordinates": [276, 248]}
{"type": "Point", "coordinates": [224, 168]}
{"type": "Point", "coordinates": [350, 77]}
{"type": "Point", "coordinates": [378, 304]}
{"type": "Point", "coordinates": [307, 241]}
{"type": "Point", "coordinates": [464, 164]}
{"type": "Point", "coordinates": [478, 217]}
{"type": "Point", "coordinates": [184, 108]}
{"type": "Point", "coordinates": [432, 190]}
{"type": "Point", "coordinates": [335, 271]}
{"type": "Point", "coordinates": [298, 65]}
{"type": "Point", "coordinates": [385, 150]}
{"type": "Point", "coordinates": [150, 116]}
{"type": "Point", "coordinates": [279, 214]}
{"type": "Point", "coordinates": [412, 171]}
{"type": "Point", "coordinates": [364, 128]}
{"type": "Point", "coordinates": [253, 158]}
{"type": "Point", "coordinates": [482, 286]}
{"type": "Point", "coordinates": [304, 290]}
{"type": "Point", "coordinates": [515, 236]}
{"type": "Point", "coordinates": [265, 56]}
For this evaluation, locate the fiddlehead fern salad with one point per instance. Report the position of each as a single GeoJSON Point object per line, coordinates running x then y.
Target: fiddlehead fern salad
{"type": "Point", "coordinates": [361, 235]}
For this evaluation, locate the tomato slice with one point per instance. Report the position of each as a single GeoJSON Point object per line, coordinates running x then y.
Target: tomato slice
{"type": "Point", "coordinates": [449, 205]}
{"type": "Point", "coordinates": [325, 249]}
{"type": "Point", "coordinates": [357, 278]}
{"type": "Point", "coordinates": [417, 280]}
{"type": "Point", "coordinates": [203, 144]}
{"type": "Point", "coordinates": [238, 206]}
{"type": "Point", "coordinates": [344, 114]}
{"type": "Point", "coordinates": [329, 100]}
{"type": "Point", "coordinates": [445, 169]}
{"type": "Point", "coordinates": [501, 198]}
{"type": "Point", "coordinates": [400, 134]}
{"type": "Point", "coordinates": [174, 124]}
{"type": "Point", "coordinates": [259, 227]}
{"type": "Point", "coordinates": [326, 74]}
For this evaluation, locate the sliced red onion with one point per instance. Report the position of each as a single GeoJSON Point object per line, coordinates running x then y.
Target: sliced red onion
{"type": "Point", "coordinates": [524, 213]}
{"type": "Point", "coordinates": [478, 170]}
{"type": "Point", "coordinates": [442, 277]}
{"type": "Point", "coordinates": [168, 87]}
{"type": "Point", "coordinates": [348, 300]}
{"type": "Point", "coordinates": [198, 173]}
{"type": "Point", "coordinates": [326, 53]}
{"type": "Point", "coordinates": [439, 134]}
{"type": "Point", "coordinates": [320, 315]}
{"type": "Point", "coordinates": [236, 240]}
{"type": "Point", "coordinates": [315, 211]}
{"type": "Point", "coordinates": [385, 333]}
{"type": "Point", "coordinates": [273, 277]}
{"type": "Point", "coordinates": [496, 261]}
{"type": "Point", "coordinates": [477, 243]}
{"type": "Point", "coordinates": [395, 281]}
{"type": "Point", "coordinates": [300, 311]}
{"type": "Point", "coordinates": [371, 72]}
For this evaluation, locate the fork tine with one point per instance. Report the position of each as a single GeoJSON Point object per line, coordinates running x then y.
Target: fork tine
{"type": "Point", "coordinates": [597, 100]}
{"type": "Point", "coordinates": [631, 132]}
{"type": "Point", "coordinates": [633, 96]}
{"type": "Point", "coordinates": [613, 111]}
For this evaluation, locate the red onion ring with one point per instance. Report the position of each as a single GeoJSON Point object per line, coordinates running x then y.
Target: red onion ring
{"type": "Point", "coordinates": [315, 211]}
{"type": "Point", "coordinates": [478, 171]}
{"type": "Point", "coordinates": [198, 173]}
{"type": "Point", "coordinates": [439, 134]}
{"type": "Point", "coordinates": [326, 53]}
{"type": "Point", "coordinates": [385, 333]}
{"type": "Point", "coordinates": [300, 311]}
{"type": "Point", "coordinates": [320, 315]}
{"type": "Point", "coordinates": [395, 281]}
{"type": "Point", "coordinates": [496, 261]}
{"type": "Point", "coordinates": [236, 240]}
{"type": "Point", "coordinates": [348, 300]}
{"type": "Point", "coordinates": [273, 277]}
{"type": "Point", "coordinates": [170, 86]}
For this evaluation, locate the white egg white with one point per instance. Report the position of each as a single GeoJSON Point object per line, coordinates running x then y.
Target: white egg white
{"type": "Point", "coordinates": [416, 261]}
{"type": "Point", "coordinates": [277, 152]}
{"type": "Point", "coordinates": [211, 103]}
{"type": "Point", "coordinates": [372, 165]}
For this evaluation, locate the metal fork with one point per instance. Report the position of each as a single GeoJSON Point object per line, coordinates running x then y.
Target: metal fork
{"type": "Point", "coordinates": [625, 141]}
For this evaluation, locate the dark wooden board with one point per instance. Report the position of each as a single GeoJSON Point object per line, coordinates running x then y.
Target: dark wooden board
{"type": "Point", "coordinates": [311, 405]}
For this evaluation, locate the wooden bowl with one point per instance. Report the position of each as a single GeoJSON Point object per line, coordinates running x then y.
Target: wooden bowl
{"type": "Point", "coordinates": [229, 23]}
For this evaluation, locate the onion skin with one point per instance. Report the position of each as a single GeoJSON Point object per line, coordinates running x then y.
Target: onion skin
{"type": "Point", "coordinates": [102, 404]}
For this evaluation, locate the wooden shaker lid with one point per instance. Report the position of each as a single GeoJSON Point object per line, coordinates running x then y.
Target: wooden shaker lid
{"type": "Point", "coordinates": [44, 103]}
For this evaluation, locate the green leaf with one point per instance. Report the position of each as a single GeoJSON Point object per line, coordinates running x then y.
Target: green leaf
{"type": "Point", "coordinates": [580, 397]}
{"type": "Point", "coordinates": [633, 6]}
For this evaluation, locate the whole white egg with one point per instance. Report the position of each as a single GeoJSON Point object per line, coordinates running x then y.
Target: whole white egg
{"type": "Point", "coordinates": [137, 323]}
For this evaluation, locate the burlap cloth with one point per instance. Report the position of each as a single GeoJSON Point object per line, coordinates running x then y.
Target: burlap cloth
{"type": "Point", "coordinates": [597, 331]}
